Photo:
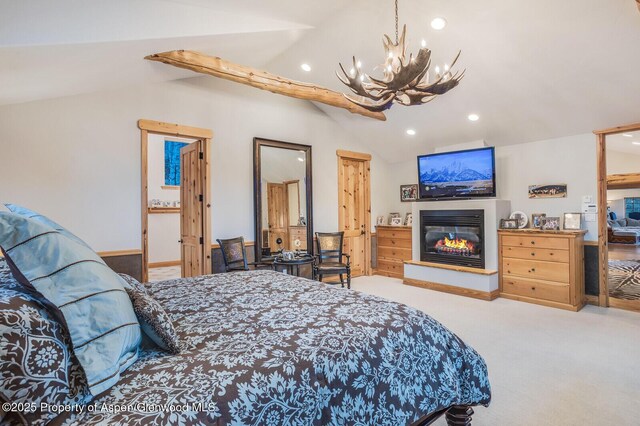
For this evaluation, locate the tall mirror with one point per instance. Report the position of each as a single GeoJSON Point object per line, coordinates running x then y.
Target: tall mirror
{"type": "Point", "coordinates": [282, 197]}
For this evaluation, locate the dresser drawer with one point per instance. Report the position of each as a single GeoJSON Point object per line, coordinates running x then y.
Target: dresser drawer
{"type": "Point", "coordinates": [550, 271]}
{"type": "Point", "coordinates": [394, 233]}
{"type": "Point", "coordinates": [535, 253]}
{"type": "Point", "coordinates": [394, 253]}
{"type": "Point", "coordinates": [392, 266]}
{"type": "Point", "coordinates": [394, 243]}
{"type": "Point", "coordinates": [535, 241]}
{"type": "Point", "coordinates": [536, 289]}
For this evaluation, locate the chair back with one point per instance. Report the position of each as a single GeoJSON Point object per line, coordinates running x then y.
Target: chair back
{"type": "Point", "coordinates": [234, 254]}
{"type": "Point", "coordinates": [329, 246]}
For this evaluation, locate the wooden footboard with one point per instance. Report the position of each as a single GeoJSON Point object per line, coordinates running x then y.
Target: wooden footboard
{"type": "Point", "coordinates": [456, 415]}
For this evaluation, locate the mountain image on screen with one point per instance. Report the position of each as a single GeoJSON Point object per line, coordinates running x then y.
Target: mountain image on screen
{"type": "Point", "coordinates": [457, 174]}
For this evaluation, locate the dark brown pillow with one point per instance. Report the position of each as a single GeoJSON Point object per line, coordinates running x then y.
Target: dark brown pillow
{"type": "Point", "coordinates": [37, 365]}
{"type": "Point", "coordinates": [154, 320]}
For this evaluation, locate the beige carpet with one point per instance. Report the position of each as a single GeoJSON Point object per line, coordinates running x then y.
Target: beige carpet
{"type": "Point", "coordinates": [546, 366]}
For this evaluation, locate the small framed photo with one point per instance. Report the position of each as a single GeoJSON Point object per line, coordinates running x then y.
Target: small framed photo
{"type": "Point", "coordinates": [396, 221]}
{"type": "Point", "coordinates": [508, 223]}
{"type": "Point", "coordinates": [394, 215]}
{"type": "Point", "coordinates": [536, 220]}
{"type": "Point", "coordinates": [408, 192]}
{"type": "Point", "coordinates": [380, 220]}
{"type": "Point", "coordinates": [408, 219]}
{"type": "Point", "coordinates": [550, 223]}
{"type": "Point", "coordinates": [573, 221]}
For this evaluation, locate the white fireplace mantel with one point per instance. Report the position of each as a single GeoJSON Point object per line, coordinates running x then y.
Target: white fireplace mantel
{"type": "Point", "coordinates": [494, 210]}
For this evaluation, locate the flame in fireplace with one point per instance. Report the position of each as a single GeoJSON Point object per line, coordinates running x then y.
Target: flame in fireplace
{"type": "Point", "coordinates": [455, 246]}
{"type": "Point", "coordinates": [458, 243]}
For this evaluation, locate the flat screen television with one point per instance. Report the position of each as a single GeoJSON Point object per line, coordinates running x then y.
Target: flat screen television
{"type": "Point", "coordinates": [457, 174]}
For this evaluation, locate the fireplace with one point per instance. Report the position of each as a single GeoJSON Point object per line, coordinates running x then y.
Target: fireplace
{"type": "Point", "coordinates": [454, 237]}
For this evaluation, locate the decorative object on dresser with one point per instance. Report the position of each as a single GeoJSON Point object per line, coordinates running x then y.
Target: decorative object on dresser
{"type": "Point", "coordinates": [536, 219]}
{"type": "Point", "coordinates": [408, 192]}
{"type": "Point", "coordinates": [508, 223]}
{"type": "Point", "coordinates": [521, 217]}
{"type": "Point", "coordinates": [380, 220]}
{"type": "Point", "coordinates": [394, 247]}
{"type": "Point", "coordinates": [573, 221]}
{"type": "Point", "coordinates": [548, 191]}
{"type": "Point", "coordinates": [550, 223]}
{"type": "Point", "coordinates": [408, 219]}
{"type": "Point", "coordinates": [392, 216]}
{"type": "Point", "coordinates": [396, 221]}
{"type": "Point", "coordinates": [542, 267]}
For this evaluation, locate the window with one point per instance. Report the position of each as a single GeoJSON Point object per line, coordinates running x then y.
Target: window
{"type": "Point", "coordinates": [631, 205]}
{"type": "Point", "coordinates": [172, 162]}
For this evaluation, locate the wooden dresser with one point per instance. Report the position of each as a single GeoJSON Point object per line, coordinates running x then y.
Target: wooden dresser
{"type": "Point", "coordinates": [394, 247]}
{"type": "Point", "coordinates": [543, 267]}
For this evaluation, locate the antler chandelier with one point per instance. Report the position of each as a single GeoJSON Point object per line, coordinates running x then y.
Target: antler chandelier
{"type": "Point", "coordinates": [405, 82]}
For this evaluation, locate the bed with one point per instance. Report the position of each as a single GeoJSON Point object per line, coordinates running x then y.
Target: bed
{"type": "Point", "coordinates": [265, 348]}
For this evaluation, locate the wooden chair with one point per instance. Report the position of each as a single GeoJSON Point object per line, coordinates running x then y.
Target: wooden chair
{"type": "Point", "coordinates": [329, 260]}
{"type": "Point", "coordinates": [234, 255]}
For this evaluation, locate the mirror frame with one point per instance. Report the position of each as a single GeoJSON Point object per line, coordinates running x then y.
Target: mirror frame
{"type": "Point", "coordinates": [257, 189]}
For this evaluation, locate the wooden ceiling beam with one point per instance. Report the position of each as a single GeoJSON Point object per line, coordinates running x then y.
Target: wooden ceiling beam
{"type": "Point", "coordinates": [221, 68]}
{"type": "Point", "coordinates": [623, 181]}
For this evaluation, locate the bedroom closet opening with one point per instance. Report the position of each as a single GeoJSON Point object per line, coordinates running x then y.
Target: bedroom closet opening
{"type": "Point", "coordinates": [623, 219]}
{"type": "Point", "coordinates": [175, 201]}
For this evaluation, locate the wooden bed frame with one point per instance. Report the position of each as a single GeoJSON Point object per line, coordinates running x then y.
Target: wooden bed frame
{"type": "Point", "coordinates": [456, 415]}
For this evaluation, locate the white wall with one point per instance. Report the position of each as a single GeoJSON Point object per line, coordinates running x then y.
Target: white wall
{"type": "Point", "coordinates": [77, 159]}
{"type": "Point", "coordinates": [622, 162]}
{"type": "Point", "coordinates": [570, 160]}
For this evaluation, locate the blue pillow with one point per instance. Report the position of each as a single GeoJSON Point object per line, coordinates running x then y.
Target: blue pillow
{"type": "Point", "coordinates": [89, 297]}
{"type": "Point", "coordinates": [22, 211]}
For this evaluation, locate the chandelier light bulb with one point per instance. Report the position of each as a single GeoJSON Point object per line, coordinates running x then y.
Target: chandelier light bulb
{"type": "Point", "coordinates": [438, 23]}
{"type": "Point", "coordinates": [390, 55]}
{"type": "Point", "coordinates": [389, 68]}
{"type": "Point", "coordinates": [437, 69]}
{"type": "Point", "coordinates": [352, 72]}
{"type": "Point", "coordinates": [424, 43]}
{"type": "Point", "coordinates": [359, 65]}
{"type": "Point", "coordinates": [446, 67]}
{"type": "Point", "coordinates": [362, 78]}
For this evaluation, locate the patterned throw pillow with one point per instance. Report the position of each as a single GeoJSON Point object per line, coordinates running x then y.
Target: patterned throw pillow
{"type": "Point", "coordinates": [37, 365]}
{"type": "Point", "coordinates": [105, 333]}
{"type": "Point", "coordinates": [154, 320]}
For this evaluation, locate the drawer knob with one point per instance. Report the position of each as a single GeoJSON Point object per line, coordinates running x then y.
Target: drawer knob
{"type": "Point", "coordinates": [533, 242]}
{"type": "Point", "coordinates": [533, 254]}
{"type": "Point", "coordinates": [551, 254]}
{"type": "Point", "coordinates": [533, 288]}
{"type": "Point", "coordinates": [532, 270]}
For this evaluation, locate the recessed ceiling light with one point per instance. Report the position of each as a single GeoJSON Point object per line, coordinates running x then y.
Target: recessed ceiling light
{"type": "Point", "coordinates": [636, 143]}
{"type": "Point", "coordinates": [300, 159]}
{"type": "Point", "coordinates": [627, 135]}
{"type": "Point", "coordinates": [305, 67]}
{"type": "Point", "coordinates": [473, 117]}
{"type": "Point", "coordinates": [411, 132]}
{"type": "Point", "coordinates": [438, 23]}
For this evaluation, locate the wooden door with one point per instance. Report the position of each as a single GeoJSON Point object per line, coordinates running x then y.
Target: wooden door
{"type": "Point", "coordinates": [354, 209]}
{"type": "Point", "coordinates": [191, 210]}
{"type": "Point", "coordinates": [278, 215]}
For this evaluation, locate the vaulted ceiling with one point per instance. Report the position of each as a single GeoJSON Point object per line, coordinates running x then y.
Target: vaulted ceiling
{"type": "Point", "coordinates": [535, 69]}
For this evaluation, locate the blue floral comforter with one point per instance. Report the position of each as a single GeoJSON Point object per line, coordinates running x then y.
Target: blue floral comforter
{"type": "Point", "coordinates": [263, 348]}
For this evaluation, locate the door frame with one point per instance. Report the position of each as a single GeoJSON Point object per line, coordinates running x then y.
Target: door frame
{"type": "Point", "coordinates": [366, 158]}
{"type": "Point", "coordinates": [169, 129]}
{"type": "Point", "coordinates": [603, 244]}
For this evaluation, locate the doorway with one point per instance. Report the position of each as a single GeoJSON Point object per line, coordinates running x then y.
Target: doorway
{"type": "Point", "coordinates": [354, 208]}
{"type": "Point", "coordinates": [619, 217]}
{"type": "Point", "coordinates": [176, 188]}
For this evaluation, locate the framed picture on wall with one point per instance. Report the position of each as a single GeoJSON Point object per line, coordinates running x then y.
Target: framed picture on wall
{"type": "Point", "coordinates": [408, 192]}
{"type": "Point", "coordinates": [558, 190]}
